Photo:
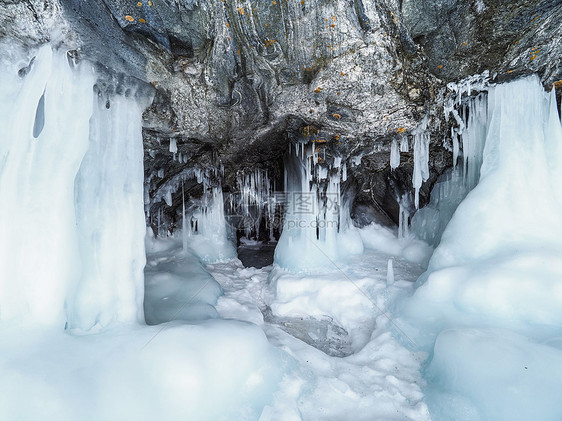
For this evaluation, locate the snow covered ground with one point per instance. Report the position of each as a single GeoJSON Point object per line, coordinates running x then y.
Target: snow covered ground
{"type": "Point", "coordinates": [343, 360]}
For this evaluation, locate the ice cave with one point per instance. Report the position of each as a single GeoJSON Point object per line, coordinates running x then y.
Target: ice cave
{"type": "Point", "coordinates": [292, 210]}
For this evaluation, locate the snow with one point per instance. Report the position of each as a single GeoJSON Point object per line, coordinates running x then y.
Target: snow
{"type": "Point", "coordinates": [210, 370]}
{"type": "Point", "coordinates": [335, 327]}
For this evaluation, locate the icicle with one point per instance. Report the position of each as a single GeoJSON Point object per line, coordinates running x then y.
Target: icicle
{"type": "Point", "coordinates": [173, 145]}
{"type": "Point", "coordinates": [455, 139]}
{"type": "Point", "coordinates": [317, 227]}
{"type": "Point", "coordinates": [183, 221]}
{"type": "Point", "coordinates": [421, 159]}
{"type": "Point", "coordinates": [394, 155]}
{"type": "Point", "coordinates": [403, 217]}
{"type": "Point", "coordinates": [404, 146]}
{"type": "Point", "coordinates": [389, 273]}
{"type": "Point", "coordinates": [168, 198]}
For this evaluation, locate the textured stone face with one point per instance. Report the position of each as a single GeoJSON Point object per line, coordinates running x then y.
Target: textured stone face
{"type": "Point", "coordinates": [461, 38]}
{"type": "Point", "coordinates": [237, 81]}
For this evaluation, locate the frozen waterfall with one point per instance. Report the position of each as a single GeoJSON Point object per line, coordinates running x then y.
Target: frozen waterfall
{"type": "Point", "coordinates": [71, 196]}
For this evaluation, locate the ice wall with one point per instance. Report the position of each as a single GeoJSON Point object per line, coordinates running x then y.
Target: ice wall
{"type": "Point", "coordinates": [491, 301]}
{"type": "Point", "coordinates": [317, 229]}
{"type": "Point", "coordinates": [71, 245]}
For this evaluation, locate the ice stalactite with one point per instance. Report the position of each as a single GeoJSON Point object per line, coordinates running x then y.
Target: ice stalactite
{"type": "Point", "coordinates": [317, 228]}
{"type": "Point", "coordinates": [71, 176]}
{"type": "Point", "coordinates": [403, 217]}
{"type": "Point", "coordinates": [421, 159]}
{"type": "Point", "coordinates": [394, 154]}
{"type": "Point", "coordinates": [452, 187]}
{"type": "Point", "coordinates": [37, 172]}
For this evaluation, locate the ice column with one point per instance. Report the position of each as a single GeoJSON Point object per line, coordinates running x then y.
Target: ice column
{"type": "Point", "coordinates": [39, 244]}
{"type": "Point", "coordinates": [109, 209]}
{"type": "Point", "coordinates": [71, 220]}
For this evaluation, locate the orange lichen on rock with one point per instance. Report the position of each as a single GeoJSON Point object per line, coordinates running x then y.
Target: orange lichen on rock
{"type": "Point", "coordinates": [129, 18]}
{"type": "Point", "coordinates": [241, 10]}
{"type": "Point", "coordinates": [401, 130]}
{"type": "Point", "coordinates": [308, 131]}
{"type": "Point", "coordinates": [534, 54]}
{"type": "Point", "coordinates": [440, 66]}
{"type": "Point", "coordinates": [141, 20]}
{"type": "Point", "coordinates": [336, 116]}
{"type": "Point", "coordinates": [318, 90]}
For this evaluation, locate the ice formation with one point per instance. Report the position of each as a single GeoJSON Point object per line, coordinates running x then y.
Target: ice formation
{"type": "Point", "coordinates": [394, 154]}
{"type": "Point", "coordinates": [421, 159]}
{"type": "Point", "coordinates": [492, 296]}
{"type": "Point", "coordinates": [452, 187]}
{"type": "Point", "coordinates": [204, 227]}
{"type": "Point", "coordinates": [317, 229]}
{"type": "Point", "coordinates": [72, 254]}
{"type": "Point", "coordinates": [253, 208]}
{"type": "Point", "coordinates": [69, 194]}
